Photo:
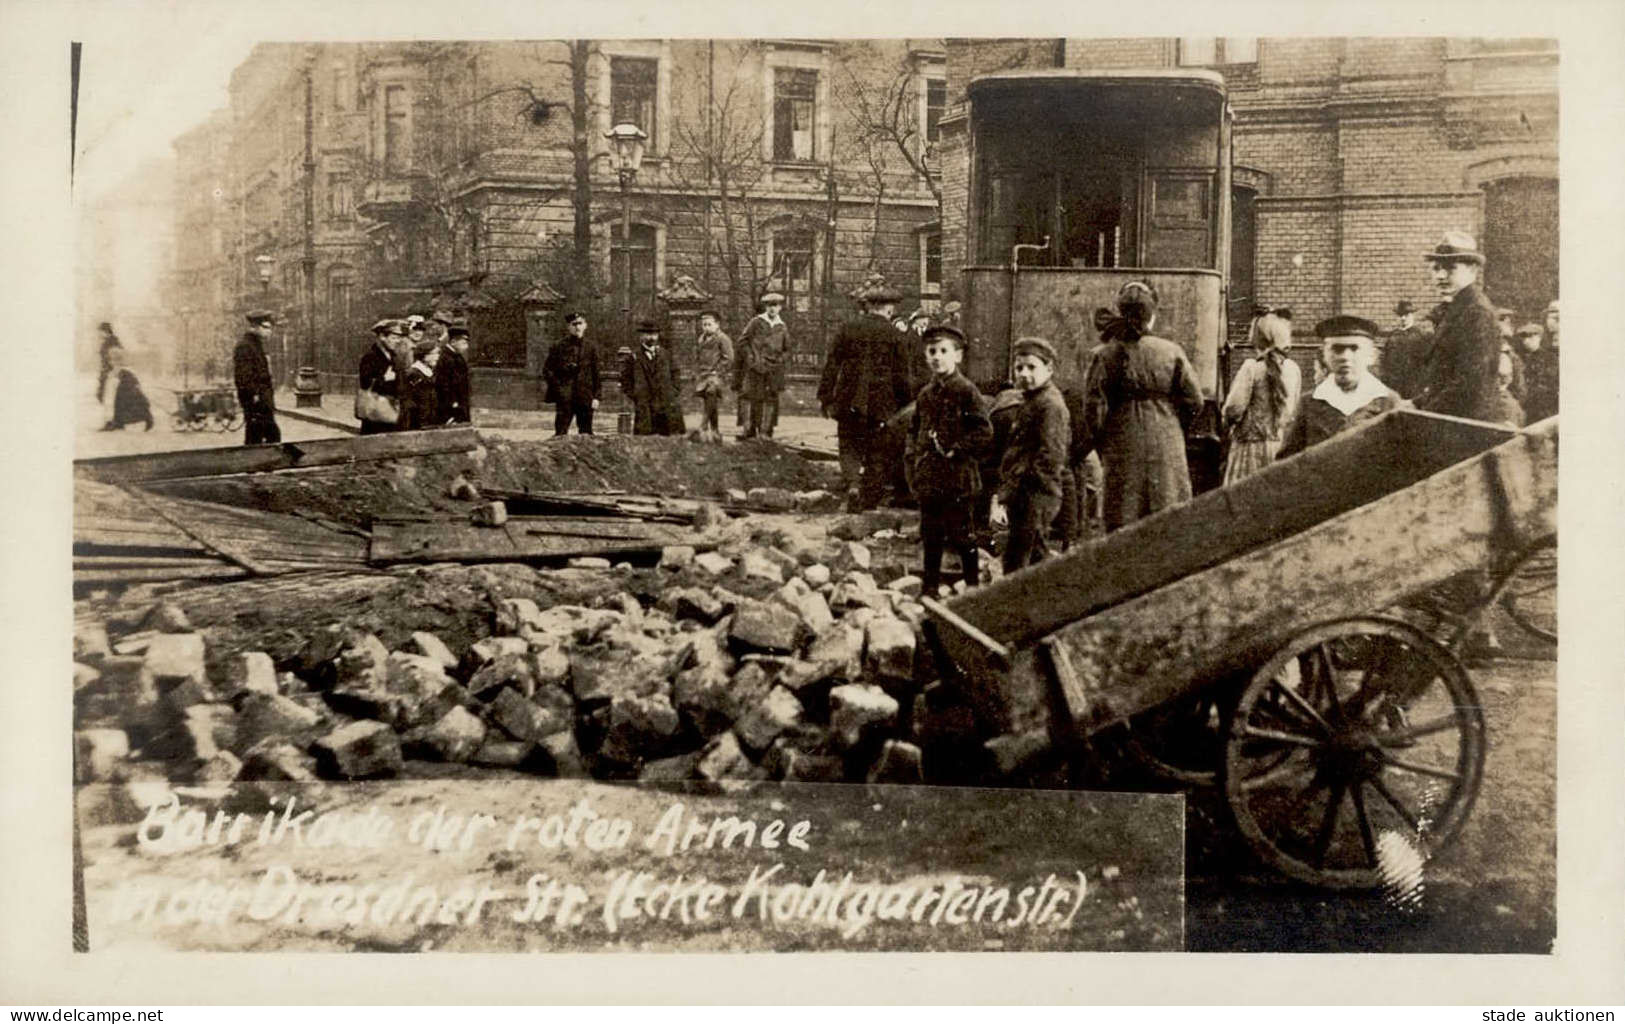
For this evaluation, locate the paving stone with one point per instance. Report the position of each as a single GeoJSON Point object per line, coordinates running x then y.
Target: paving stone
{"type": "Point", "coordinates": [835, 653]}
{"type": "Point", "coordinates": [167, 617]}
{"type": "Point", "coordinates": [264, 716]}
{"type": "Point", "coordinates": [510, 671]}
{"type": "Point", "coordinates": [551, 665]}
{"type": "Point", "coordinates": [639, 728]}
{"type": "Point", "coordinates": [699, 605]}
{"type": "Point", "coordinates": [888, 649]}
{"type": "Point", "coordinates": [786, 762]}
{"type": "Point", "coordinates": [898, 763]}
{"type": "Point", "coordinates": [83, 676]}
{"type": "Point", "coordinates": [771, 499]}
{"type": "Point", "coordinates": [817, 501]}
{"type": "Point", "coordinates": [360, 750]}
{"type": "Point", "coordinates": [526, 720]}
{"type": "Point", "coordinates": [858, 708]}
{"type": "Point", "coordinates": [724, 758]}
{"type": "Point", "coordinates": [589, 563]}
{"type": "Point", "coordinates": [493, 513]}
{"type": "Point", "coordinates": [499, 752]}
{"type": "Point", "coordinates": [515, 614]}
{"type": "Point", "coordinates": [456, 735]}
{"type": "Point", "coordinates": [704, 696]}
{"type": "Point", "coordinates": [222, 766]}
{"type": "Point", "coordinates": [678, 768]}
{"type": "Point", "coordinates": [1014, 754]}
{"type": "Point", "coordinates": [773, 715]}
{"type": "Point", "coordinates": [677, 556]}
{"type": "Point", "coordinates": [852, 557]}
{"type": "Point", "coordinates": [709, 516]}
{"type": "Point", "coordinates": [254, 672]}
{"type": "Point", "coordinates": [562, 755]}
{"type": "Point", "coordinates": [99, 755]}
{"type": "Point", "coordinates": [574, 624]}
{"type": "Point", "coordinates": [760, 626]}
{"type": "Point", "coordinates": [909, 584]}
{"type": "Point", "coordinates": [173, 658]}
{"type": "Point", "coordinates": [816, 575]}
{"type": "Point", "coordinates": [276, 760]}
{"type": "Point", "coordinates": [90, 643]}
{"type": "Point", "coordinates": [363, 662]}
{"type": "Point", "coordinates": [714, 562]}
{"type": "Point", "coordinates": [756, 565]}
{"type": "Point", "coordinates": [491, 648]}
{"type": "Point", "coordinates": [431, 646]}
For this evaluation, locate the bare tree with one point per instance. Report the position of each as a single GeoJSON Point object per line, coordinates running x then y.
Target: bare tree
{"type": "Point", "coordinates": [887, 117]}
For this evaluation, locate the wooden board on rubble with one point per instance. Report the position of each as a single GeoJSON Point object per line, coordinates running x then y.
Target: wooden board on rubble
{"type": "Point", "coordinates": [650, 507]}
{"type": "Point", "coordinates": [268, 458]}
{"type": "Point", "coordinates": [521, 539]}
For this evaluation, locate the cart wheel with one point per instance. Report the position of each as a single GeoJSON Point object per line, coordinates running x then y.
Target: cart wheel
{"type": "Point", "coordinates": [233, 421]}
{"type": "Point", "coordinates": [1529, 591]}
{"type": "Point", "coordinates": [1182, 741]}
{"type": "Point", "coordinates": [177, 421]}
{"type": "Point", "coordinates": [1354, 729]}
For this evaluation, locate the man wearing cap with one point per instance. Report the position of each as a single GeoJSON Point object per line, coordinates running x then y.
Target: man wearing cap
{"type": "Point", "coordinates": [1459, 376]}
{"type": "Point", "coordinates": [650, 378]}
{"type": "Point", "coordinates": [865, 382]}
{"type": "Point", "coordinates": [378, 378]}
{"type": "Point", "coordinates": [1406, 352]}
{"type": "Point", "coordinates": [1034, 462]}
{"type": "Point", "coordinates": [764, 348]}
{"type": "Point", "coordinates": [572, 379]}
{"type": "Point", "coordinates": [255, 391]}
{"type": "Point", "coordinates": [454, 403]}
{"type": "Point", "coordinates": [716, 362]}
{"type": "Point", "coordinates": [1350, 394]}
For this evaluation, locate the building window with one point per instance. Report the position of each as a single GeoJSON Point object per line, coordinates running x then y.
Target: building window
{"type": "Point", "coordinates": [340, 196]}
{"type": "Point", "coordinates": [340, 293]}
{"type": "Point", "coordinates": [643, 266]}
{"type": "Point", "coordinates": [792, 266]}
{"type": "Point", "coordinates": [1202, 51]}
{"type": "Point", "coordinates": [930, 264]}
{"type": "Point", "coordinates": [936, 100]}
{"type": "Point", "coordinates": [395, 122]}
{"type": "Point", "coordinates": [343, 91]}
{"type": "Point", "coordinates": [633, 88]}
{"type": "Point", "coordinates": [795, 101]}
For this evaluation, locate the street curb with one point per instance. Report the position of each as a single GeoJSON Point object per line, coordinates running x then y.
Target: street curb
{"type": "Point", "coordinates": [311, 417]}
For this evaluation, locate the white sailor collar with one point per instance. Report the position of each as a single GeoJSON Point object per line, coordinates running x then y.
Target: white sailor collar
{"type": "Point", "coordinates": [1347, 402]}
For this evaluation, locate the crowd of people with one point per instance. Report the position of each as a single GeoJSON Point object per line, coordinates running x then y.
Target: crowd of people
{"type": "Point", "coordinates": [415, 375]}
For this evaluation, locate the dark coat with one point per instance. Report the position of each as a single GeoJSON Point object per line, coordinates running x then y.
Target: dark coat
{"type": "Point", "coordinates": [1459, 377]}
{"type": "Point", "coordinates": [1317, 420]}
{"type": "Point", "coordinates": [760, 358]}
{"type": "Point", "coordinates": [1137, 399]}
{"type": "Point", "coordinates": [1403, 358]}
{"type": "Point", "coordinates": [655, 387]}
{"type": "Point", "coordinates": [1035, 456]}
{"type": "Point", "coordinates": [866, 373]}
{"type": "Point", "coordinates": [949, 436]}
{"type": "Point", "coordinates": [419, 400]}
{"type": "Point", "coordinates": [571, 372]}
{"type": "Point", "coordinates": [451, 384]}
{"type": "Point", "coordinates": [252, 371]}
{"type": "Point", "coordinates": [374, 372]}
{"type": "Point", "coordinates": [130, 402]}
{"type": "Point", "coordinates": [1540, 380]}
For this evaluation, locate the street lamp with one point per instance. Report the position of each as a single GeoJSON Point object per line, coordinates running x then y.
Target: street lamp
{"type": "Point", "coordinates": [626, 155]}
{"type": "Point", "coordinates": [267, 265]}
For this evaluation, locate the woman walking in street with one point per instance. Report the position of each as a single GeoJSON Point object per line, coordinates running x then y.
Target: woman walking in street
{"type": "Point", "coordinates": [1140, 392]}
{"type": "Point", "coordinates": [1263, 398]}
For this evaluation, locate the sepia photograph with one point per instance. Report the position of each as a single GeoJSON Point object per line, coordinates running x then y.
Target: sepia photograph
{"type": "Point", "coordinates": [872, 493]}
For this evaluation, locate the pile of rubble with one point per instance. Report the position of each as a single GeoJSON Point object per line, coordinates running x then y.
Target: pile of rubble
{"type": "Point", "coordinates": [785, 653]}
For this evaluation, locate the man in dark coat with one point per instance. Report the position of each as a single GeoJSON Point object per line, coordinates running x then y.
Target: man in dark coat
{"type": "Point", "coordinates": [129, 401]}
{"type": "Point", "coordinates": [451, 377]}
{"type": "Point", "coordinates": [649, 377]}
{"type": "Point", "coordinates": [1405, 352]}
{"type": "Point", "coordinates": [1459, 378]}
{"type": "Point", "coordinates": [379, 372]}
{"type": "Point", "coordinates": [759, 365]}
{"type": "Point", "coordinates": [571, 376]}
{"type": "Point", "coordinates": [256, 392]}
{"type": "Point", "coordinates": [110, 343]}
{"type": "Point", "coordinates": [865, 382]}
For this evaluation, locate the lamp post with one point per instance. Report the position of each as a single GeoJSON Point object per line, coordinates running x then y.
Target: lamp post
{"type": "Point", "coordinates": [626, 155]}
{"type": "Point", "coordinates": [307, 384]}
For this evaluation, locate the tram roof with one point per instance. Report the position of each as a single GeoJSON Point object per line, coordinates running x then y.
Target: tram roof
{"type": "Point", "coordinates": [1062, 78]}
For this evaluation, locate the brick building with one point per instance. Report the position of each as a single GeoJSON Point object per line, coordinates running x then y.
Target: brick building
{"type": "Point", "coordinates": [1351, 157]}
{"type": "Point", "coordinates": [446, 174]}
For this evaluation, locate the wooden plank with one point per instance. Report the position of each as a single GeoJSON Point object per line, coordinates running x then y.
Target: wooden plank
{"type": "Point", "coordinates": [1346, 472]}
{"type": "Point", "coordinates": [215, 544]}
{"type": "Point", "coordinates": [395, 541]}
{"type": "Point", "coordinates": [1164, 644]}
{"type": "Point", "coordinates": [219, 572]}
{"type": "Point", "coordinates": [82, 561]}
{"type": "Point", "coordinates": [266, 458]}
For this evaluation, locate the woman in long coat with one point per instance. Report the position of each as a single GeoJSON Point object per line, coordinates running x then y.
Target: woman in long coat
{"type": "Point", "coordinates": [1140, 392]}
{"type": "Point", "coordinates": [1263, 399]}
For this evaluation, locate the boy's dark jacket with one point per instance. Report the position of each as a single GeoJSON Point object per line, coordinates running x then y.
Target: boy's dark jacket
{"type": "Point", "coordinates": [1036, 454]}
{"type": "Point", "coordinates": [949, 436]}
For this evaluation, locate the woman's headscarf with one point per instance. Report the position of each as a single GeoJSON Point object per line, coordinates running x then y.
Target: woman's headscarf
{"type": "Point", "coordinates": [1136, 305]}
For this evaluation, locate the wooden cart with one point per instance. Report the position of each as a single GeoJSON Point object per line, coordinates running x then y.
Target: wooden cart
{"type": "Point", "coordinates": [1293, 637]}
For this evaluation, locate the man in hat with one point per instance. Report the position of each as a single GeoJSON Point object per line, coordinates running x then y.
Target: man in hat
{"type": "Point", "coordinates": [378, 378]}
{"type": "Point", "coordinates": [759, 365]}
{"type": "Point", "coordinates": [650, 378]}
{"type": "Point", "coordinates": [716, 362]}
{"type": "Point", "coordinates": [1406, 351]}
{"type": "Point", "coordinates": [865, 382]}
{"type": "Point", "coordinates": [256, 392]}
{"type": "Point", "coordinates": [1459, 378]}
{"type": "Point", "coordinates": [451, 376]}
{"type": "Point", "coordinates": [572, 378]}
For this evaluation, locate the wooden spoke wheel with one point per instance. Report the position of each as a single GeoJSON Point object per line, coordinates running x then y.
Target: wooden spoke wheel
{"type": "Point", "coordinates": [1529, 591]}
{"type": "Point", "coordinates": [1355, 728]}
{"type": "Point", "coordinates": [1181, 741]}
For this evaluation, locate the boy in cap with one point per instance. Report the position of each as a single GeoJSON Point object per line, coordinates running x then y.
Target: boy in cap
{"type": "Point", "coordinates": [571, 376]}
{"type": "Point", "coordinates": [948, 435]}
{"type": "Point", "coordinates": [716, 359]}
{"type": "Point", "coordinates": [650, 378]}
{"type": "Point", "coordinates": [764, 348]}
{"type": "Point", "coordinates": [1035, 457]}
{"type": "Point", "coordinates": [251, 370]}
{"type": "Point", "coordinates": [1349, 395]}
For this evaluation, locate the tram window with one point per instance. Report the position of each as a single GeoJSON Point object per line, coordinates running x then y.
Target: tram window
{"type": "Point", "coordinates": [1019, 208]}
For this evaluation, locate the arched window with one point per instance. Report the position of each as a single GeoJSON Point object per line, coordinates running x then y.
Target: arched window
{"type": "Point", "coordinates": [793, 267]}
{"type": "Point", "coordinates": [1520, 243]}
